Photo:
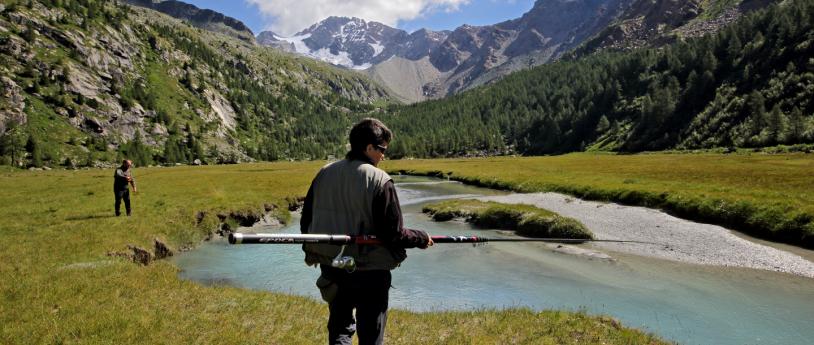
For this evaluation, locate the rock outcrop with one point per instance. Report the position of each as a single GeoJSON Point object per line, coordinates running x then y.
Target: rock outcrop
{"type": "Point", "coordinates": [12, 104]}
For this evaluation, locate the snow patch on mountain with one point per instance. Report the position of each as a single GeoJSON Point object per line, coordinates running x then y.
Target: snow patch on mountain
{"type": "Point", "coordinates": [298, 42]}
{"type": "Point", "coordinates": [377, 48]}
{"type": "Point", "coordinates": [324, 54]}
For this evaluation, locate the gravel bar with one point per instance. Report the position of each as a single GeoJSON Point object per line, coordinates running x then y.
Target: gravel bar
{"type": "Point", "coordinates": [678, 239]}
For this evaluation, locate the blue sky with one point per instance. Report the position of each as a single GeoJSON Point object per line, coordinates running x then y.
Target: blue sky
{"type": "Point", "coordinates": [260, 15]}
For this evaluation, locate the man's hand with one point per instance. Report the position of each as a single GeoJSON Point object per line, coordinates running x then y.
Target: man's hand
{"type": "Point", "coordinates": [429, 242]}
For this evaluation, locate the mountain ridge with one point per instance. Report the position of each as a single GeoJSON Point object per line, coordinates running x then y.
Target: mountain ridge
{"type": "Point", "coordinates": [203, 18]}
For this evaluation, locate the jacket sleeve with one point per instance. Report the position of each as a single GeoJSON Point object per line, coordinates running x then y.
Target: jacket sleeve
{"type": "Point", "coordinates": [307, 210]}
{"type": "Point", "coordinates": [389, 224]}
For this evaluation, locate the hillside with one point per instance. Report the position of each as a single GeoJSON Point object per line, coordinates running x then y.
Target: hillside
{"type": "Point", "coordinates": [648, 23]}
{"type": "Point", "coordinates": [86, 82]}
{"type": "Point", "coordinates": [750, 85]}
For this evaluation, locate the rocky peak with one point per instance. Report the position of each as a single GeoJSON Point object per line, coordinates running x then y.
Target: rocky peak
{"type": "Point", "coordinates": [421, 43]}
{"type": "Point", "coordinates": [349, 42]}
{"type": "Point", "coordinates": [271, 39]}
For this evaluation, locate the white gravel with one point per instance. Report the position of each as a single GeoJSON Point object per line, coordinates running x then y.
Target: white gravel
{"type": "Point", "coordinates": [682, 240]}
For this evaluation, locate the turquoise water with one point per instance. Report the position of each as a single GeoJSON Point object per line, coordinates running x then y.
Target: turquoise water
{"type": "Point", "coordinates": [689, 304]}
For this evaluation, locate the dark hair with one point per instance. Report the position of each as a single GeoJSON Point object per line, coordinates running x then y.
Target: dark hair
{"type": "Point", "coordinates": [368, 131]}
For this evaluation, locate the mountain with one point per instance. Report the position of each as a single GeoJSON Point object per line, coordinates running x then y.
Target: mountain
{"type": "Point", "coordinates": [355, 43]}
{"type": "Point", "coordinates": [93, 81]}
{"type": "Point", "coordinates": [442, 63]}
{"type": "Point", "coordinates": [749, 84]}
{"type": "Point", "coordinates": [203, 18]}
{"type": "Point", "coordinates": [429, 65]}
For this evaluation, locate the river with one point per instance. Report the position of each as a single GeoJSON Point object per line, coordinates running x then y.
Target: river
{"type": "Point", "coordinates": [686, 303]}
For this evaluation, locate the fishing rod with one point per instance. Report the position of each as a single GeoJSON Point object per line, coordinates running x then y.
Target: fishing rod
{"type": "Point", "coordinates": [251, 238]}
{"type": "Point", "coordinates": [349, 263]}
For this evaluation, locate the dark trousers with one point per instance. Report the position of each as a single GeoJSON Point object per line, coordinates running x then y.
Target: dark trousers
{"type": "Point", "coordinates": [122, 194]}
{"type": "Point", "coordinates": [368, 293]}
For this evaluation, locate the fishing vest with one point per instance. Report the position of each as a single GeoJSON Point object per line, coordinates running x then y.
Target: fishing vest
{"type": "Point", "coordinates": [342, 203]}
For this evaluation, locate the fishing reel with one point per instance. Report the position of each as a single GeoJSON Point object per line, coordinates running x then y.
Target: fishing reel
{"type": "Point", "coordinates": [344, 262]}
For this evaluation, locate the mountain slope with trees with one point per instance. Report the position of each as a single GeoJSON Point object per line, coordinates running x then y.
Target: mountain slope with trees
{"type": "Point", "coordinates": [749, 85]}
{"type": "Point", "coordinates": [88, 81]}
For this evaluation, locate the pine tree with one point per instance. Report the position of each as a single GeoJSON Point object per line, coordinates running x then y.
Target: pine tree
{"type": "Point", "coordinates": [32, 146]}
{"type": "Point", "coordinates": [11, 143]}
{"type": "Point", "coordinates": [796, 126]}
{"type": "Point", "coordinates": [603, 125]}
{"type": "Point", "coordinates": [778, 126]}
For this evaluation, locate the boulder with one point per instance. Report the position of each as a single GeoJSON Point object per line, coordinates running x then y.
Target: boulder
{"type": "Point", "coordinates": [159, 130]}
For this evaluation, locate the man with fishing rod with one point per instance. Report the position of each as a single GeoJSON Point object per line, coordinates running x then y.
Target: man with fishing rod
{"type": "Point", "coordinates": [354, 197]}
{"type": "Point", "coordinates": [121, 179]}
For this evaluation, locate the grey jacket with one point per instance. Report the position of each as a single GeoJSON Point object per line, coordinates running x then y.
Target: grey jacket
{"type": "Point", "coordinates": [341, 201]}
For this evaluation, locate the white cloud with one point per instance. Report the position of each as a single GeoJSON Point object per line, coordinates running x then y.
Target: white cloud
{"type": "Point", "coordinates": [287, 17]}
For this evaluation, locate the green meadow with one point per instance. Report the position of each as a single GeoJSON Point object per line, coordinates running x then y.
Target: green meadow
{"type": "Point", "coordinates": [60, 286]}
{"type": "Point", "coordinates": [770, 196]}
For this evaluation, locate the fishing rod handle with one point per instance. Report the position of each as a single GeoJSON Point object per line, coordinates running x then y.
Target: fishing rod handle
{"type": "Point", "coordinates": [245, 238]}
{"type": "Point", "coordinates": [457, 239]}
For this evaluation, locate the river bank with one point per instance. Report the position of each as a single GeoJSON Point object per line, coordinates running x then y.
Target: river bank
{"type": "Point", "coordinates": [680, 240]}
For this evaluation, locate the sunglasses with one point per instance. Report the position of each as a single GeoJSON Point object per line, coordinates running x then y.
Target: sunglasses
{"type": "Point", "coordinates": [381, 148]}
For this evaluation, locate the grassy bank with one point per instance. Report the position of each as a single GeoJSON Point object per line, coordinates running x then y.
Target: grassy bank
{"type": "Point", "coordinates": [59, 286]}
{"type": "Point", "coordinates": [526, 220]}
{"type": "Point", "coordinates": [768, 196]}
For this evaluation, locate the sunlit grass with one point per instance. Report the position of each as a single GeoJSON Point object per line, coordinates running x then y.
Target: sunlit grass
{"type": "Point", "coordinates": [59, 286]}
{"type": "Point", "coordinates": [770, 196]}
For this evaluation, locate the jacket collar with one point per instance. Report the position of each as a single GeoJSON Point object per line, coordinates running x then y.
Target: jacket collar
{"type": "Point", "coordinates": [352, 155]}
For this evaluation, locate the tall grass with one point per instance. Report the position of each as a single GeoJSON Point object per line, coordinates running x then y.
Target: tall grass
{"type": "Point", "coordinates": [768, 196]}
{"type": "Point", "coordinates": [59, 286]}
